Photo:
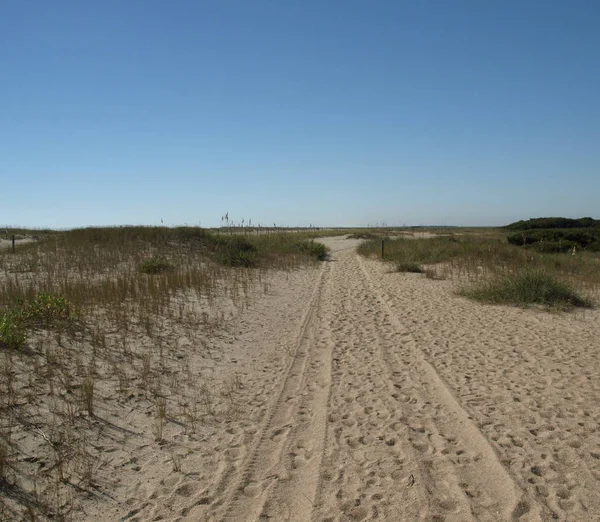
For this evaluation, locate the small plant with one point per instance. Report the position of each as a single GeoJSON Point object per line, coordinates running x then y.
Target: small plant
{"type": "Point", "coordinates": [12, 333]}
{"type": "Point", "coordinates": [49, 310]}
{"type": "Point", "coordinates": [154, 265]}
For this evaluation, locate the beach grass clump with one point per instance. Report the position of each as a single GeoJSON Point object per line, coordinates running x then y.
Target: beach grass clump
{"type": "Point", "coordinates": [235, 251]}
{"type": "Point", "coordinates": [313, 249]}
{"type": "Point", "coordinates": [154, 265]}
{"type": "Point", "coordinates": [413, 268]}
{"type": "Point", "coordinates": [527, 287]}
{"type": "Point", "coordinates": [407, 251]}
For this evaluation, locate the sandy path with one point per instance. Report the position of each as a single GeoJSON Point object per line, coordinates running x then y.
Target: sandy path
{"type": "Point", "coordinates": [362, 427]}
{"type": "Point", "coordinates": [529, 379]}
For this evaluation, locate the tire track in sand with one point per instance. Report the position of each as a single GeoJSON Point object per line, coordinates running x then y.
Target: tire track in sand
{"type": "Point", "coordinates": [279, 479]}
{"type": "Point", "coordinates": [399, 446]}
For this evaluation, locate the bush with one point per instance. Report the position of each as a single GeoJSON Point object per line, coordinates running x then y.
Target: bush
{"type": "Point", "coordinates": [525, 288]}
{"type": "Point", "coordinates": [580, 237]}
{"type": "Point", "coordinates": [47, 309]}
{"type": "Point", "coordinates": [553, 222]}
{"type": "Point", "coordinates": [154, 265]}
{"type": "Point", "coordinates": [12, 333]}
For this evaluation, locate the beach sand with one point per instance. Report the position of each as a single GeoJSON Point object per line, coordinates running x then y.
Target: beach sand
{"type": "Point", "coordinates": [347, 392]}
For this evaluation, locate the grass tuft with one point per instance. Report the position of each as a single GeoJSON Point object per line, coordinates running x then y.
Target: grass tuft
{"type": "Point", "coordinates": [413, 268]}
{"type": "Point", "coordinates": [527, 287]}
{"type": "Point", "coordinates": [235, 251]}
{"type": "Point", "coordinates": [154, 265]}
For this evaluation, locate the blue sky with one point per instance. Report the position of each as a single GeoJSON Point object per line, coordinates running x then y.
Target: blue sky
{"type": "Point", "coordinates": [349, 113]}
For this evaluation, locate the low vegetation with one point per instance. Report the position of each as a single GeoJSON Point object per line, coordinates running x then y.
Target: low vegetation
{"type": "Point", "coordinates": [525, 288]}
{"type": "Point", "coordinates": [555, 235]}
{"type": "Point", "coordinates": [154, 265]}
{"type": "Point", "coordinates": [95, 316]}
{"type": "Point", "coordinates": [553, 222]}
{"type": "Point", "coordinates": [498, 269]}
{"type": "Point", "coordinates": [414, 268]}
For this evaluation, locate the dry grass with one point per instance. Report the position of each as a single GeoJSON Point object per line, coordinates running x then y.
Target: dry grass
{"type": "Point", "coordinates": [91, 322]}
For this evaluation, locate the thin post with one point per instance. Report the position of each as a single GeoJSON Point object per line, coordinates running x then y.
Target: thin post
{"type": "Point", "coordinates": [382, 249]}
{"type": "Point", "coordinates": [13, 243]}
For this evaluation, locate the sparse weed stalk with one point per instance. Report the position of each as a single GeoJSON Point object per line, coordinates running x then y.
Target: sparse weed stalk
{"type": "Point", "coordinates": [161, 416]}
{"type": "Point", "coordinates": [87, 394]}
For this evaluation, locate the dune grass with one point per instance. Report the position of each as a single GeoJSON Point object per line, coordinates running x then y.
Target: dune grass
{"type": "Point", "coordinates": [501, 272]}
{"type": "Point", "coordinates": [527, 287]}
{"type": "Point", "coordinates": [413, 268]}
{"type": "Point", "coordinates": [95, 309]}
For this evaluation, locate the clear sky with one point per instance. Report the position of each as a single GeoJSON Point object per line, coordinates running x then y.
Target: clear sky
{"type": "Point", "coordinates": [455, 112]}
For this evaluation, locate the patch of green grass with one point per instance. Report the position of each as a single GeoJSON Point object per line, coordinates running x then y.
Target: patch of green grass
{"type": "Point", "coordinates": [154, 265]}
{"type": "Point", "coordinates": [313, 249]}
{"type": "Point", "coordinates": [414, 268]}
{"type": "Point", "coordinates": [405, 251]}
{"type": "Point", "coordinates": [235, 251]}
{"type": "Point", "coordinates": [527, 287]}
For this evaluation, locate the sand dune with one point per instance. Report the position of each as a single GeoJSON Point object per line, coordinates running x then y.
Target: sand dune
{"type": "Point", "coordinates": [369, 395]}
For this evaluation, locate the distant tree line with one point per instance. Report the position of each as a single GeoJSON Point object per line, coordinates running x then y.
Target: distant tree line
{"type": "Point", "coordinates": [556, 234]}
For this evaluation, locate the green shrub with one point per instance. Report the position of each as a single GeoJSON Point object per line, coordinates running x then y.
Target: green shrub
{"type": "Point", "coordinates": [12, 333]}
{"type": "Point", "coordinates": [154, 265]}
{"type": "Point", "coordinates": [580, 237]}
{"type": "Point", "coordinates": [527, 287]}
{"type": "Point", "coordinates": [47, 310]}
{"type": "Point", "coordinates": [553, 222]}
